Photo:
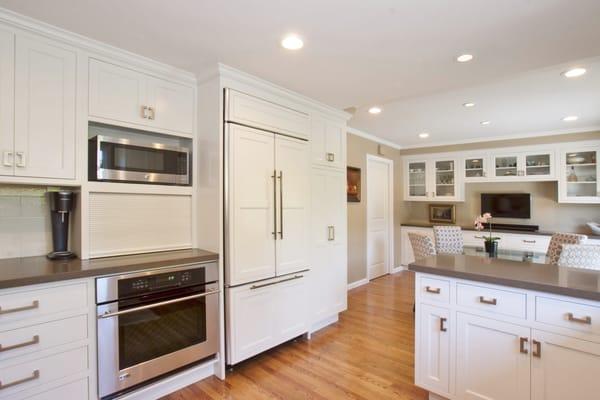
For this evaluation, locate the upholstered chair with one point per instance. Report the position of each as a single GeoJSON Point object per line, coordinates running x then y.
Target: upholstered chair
{"type": "Point", "coordinates": [422, 245]}
{"type": "Point", "coordinates": [557, 242]}
{"type": "Point", "coordinates": [448, 239]}
{"type": "Point", "coordinates": [580, 256]}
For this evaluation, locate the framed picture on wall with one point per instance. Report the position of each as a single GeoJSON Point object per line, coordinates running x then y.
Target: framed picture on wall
{"type": "Point", "coordinates": [353, 184]}
{"type": "Point", "coordinates": [442, 213]}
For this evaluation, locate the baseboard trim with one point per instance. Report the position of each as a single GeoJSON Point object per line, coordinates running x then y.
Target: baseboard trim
{"type": "Point", "coordinates": [172, 383]}
{"type": "Point", "coordinates": [358, 283]}
{"type": "Point", "coordinates": [398, 269]}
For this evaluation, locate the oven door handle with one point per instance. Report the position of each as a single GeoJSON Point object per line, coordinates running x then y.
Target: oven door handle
{"type": "Point", "coordinates": [162, 303]}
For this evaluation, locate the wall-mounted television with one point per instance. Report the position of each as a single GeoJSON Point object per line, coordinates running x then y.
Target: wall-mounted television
{"type": "Point", "coordinates": [506, 205]}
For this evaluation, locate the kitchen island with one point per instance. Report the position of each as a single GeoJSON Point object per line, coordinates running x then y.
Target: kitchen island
{"type": "Point", "coordinates": [489, 328]}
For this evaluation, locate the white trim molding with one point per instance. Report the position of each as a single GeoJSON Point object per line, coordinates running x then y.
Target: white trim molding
{"type": "Point", "coordinates": [373, 138]}
{"type": "Point", "coordinates": [357, 283]}
{"type": "Point", "coordinates": [399, 268]}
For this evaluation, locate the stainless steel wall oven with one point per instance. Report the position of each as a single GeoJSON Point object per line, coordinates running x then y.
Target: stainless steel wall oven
{"type": "Point", "coordinates": [151, 323]}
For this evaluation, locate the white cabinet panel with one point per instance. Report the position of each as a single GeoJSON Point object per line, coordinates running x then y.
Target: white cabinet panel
{"type": "Point", "coordinates": [123, 223]}
{"type": "Point", "coordinates": [436, 290]}
{"type": "Point", "coordinates": [292, 308]}
{"type": "Point", "coordinates": [564, 368]}
{"type": "Point", "coordinates": [116, 93]}
{"type": "Point", "coordinates": [251, 213]}
{"type": "Point", "coordinates": [579, 174]}
{"type": "Point", "coordinates": [568, 314]}
{"type": "Point", "coordinates": [253, 111]}
{"type": "Point", "coordinates": [489, 364]}
{"type": "Point", "coordinates": [433, 179]}
{"type": "Point", "coordinates": [328, 142]}
{"type": "Point", "coordinates": [70, 391]}
{"type": "Point", "coordinates": [433, 353]}
{"type": "Point", "coordinates": [44, 109]}
{"type": "Point", "coordinates": [491, 300]}
{"type": "Point", "coordinates": [172, 105]}
{"type": "Point", "coordinates": [7, 51]}
{"type": "Point", "coordinates": [293, 197]}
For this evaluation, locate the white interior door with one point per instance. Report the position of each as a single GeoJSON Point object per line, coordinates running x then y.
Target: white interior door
{"type": "Point", "coordinates": [251, 211]}
{"type": "Point", "coordinates": [379, 216]}
{"type": "Point", "coordinates": [292, 159]}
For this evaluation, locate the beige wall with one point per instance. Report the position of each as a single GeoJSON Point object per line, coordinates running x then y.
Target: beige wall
{"type": "Point", "coordinates": [358, 148]}
{"type": "Point", "coordinates": [546, 211]}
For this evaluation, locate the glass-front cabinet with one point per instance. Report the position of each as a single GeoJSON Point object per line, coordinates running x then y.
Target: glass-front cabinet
{"type": "Point", "coordinates": [475, 168]}
{"type": "Point", "coordinates": [527, 166]}
{"type": "Point", "coordinates": [506, 166]}
{"type": "Point", "coordinates": [578, 180]}
{"type": "Point", "coordinates": [432, 180]}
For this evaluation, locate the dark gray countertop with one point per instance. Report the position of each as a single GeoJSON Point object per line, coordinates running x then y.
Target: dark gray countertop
{"type": "Point", "coordinates": [548, 278]}
{"type": "Point", "coordinates": [470, 228]}
{"type": "Point", "coordinates": [24, 271]}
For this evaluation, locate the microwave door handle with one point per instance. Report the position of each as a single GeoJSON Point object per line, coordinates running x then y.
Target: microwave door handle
{"type": "Point", "coordinates": [162, 303]}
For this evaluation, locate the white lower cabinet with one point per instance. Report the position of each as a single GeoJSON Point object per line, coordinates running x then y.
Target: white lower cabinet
{"type": "Point", "coordinates": [489, 363]}
{"type": "Point", "coordinates": [434, 340]}
{"type": "Point", "coordinates": [265, 314]}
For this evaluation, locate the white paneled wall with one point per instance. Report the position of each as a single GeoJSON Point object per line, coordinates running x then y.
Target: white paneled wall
{"type": "Point", "coordinates": [24, 222]}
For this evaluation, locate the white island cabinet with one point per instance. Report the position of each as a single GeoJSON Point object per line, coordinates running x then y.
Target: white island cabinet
{"type": "Point", "coordinates": [477, 340]}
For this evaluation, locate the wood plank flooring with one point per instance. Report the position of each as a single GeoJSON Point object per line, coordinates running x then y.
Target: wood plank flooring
{"type": "Point", "coordinates": [368, 354]}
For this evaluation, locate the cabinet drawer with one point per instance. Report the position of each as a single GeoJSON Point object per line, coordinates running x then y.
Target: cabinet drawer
{"type": "Point", "coordinates": [33, 373]}
{"type": "Point", "coordinates": [493, 300]}
{"type": "Point", "coordinates": [566, 314]}
{"type": "Point", "coordinates": [77, 390]}
{"type": "Point", "coordinates": [534, 243]}
{"type": "Point", "coordinates": [42, 336]}
{"type": "Point", "coordinates": [255, 112]}
{"type": "Point", "coordinates": [30, 304]}
{"type": "Point", "coordinates": [435, 289]}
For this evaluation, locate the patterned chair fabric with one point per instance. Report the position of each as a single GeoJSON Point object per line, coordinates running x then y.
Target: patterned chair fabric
{"type": "Point", "coordinates": [448, 239]}
{"type": "Point", "coordinates": [557, 242]}
{"type": "Point", "coordinates": [422, 245]}
{"type": "Point", "coordinates": [580, 256]}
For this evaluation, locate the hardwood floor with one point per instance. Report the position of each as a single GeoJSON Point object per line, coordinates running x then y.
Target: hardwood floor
{"type": "Point", "coordinates": [368, 354]}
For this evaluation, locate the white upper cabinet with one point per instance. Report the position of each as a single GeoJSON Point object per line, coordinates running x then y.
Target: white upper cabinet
{"type": "Point", "coordinates": [578, 175]}
{"type": "Point", "coordinates": [436, 179]}
{"type": "Point", "coordinates": [120, 95]}
{"type": "Point", "coordinates": [252, 111]}
{"type": "Point", "coordinates": [7, 52]}
{"type": "Point", "coordinates": [328, 142]}
{"type": "Point", "coordinates": [45, 94]}
{"type": "Point", "coordinates": [526, 166]}
{"type": "Point", "coordinates": [475, 167]}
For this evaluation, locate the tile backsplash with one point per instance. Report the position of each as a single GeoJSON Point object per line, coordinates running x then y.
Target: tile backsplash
{"type": "Point", "coordinates": [25, 228]}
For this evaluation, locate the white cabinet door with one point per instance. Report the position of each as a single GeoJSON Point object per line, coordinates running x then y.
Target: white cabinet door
{"type": "Point", "coordinates": [251, 321]}
{"type": "Point", "coordinates": [329, 249]}
{"type": "Point", "coordinates": [445, 179]}
{"type": "Point", "coordinates": [251, 211]}
{"type": "Point", "coordinates": [475, 168]}
{"type": "Point", "coordinates": [172, 105]}
{"type": "Point", "coordinates": [579, 175]}
{"type": "Point", "coordinates": [564, 367]}
{"type": "Point", "coordinates": [292, 199]}
{"type": "Point", "coordinates": [433, 349]}
{"type": "Point", "coordinates": [538, 165]}
{"type": "Point", "coordinates": [328, 142]}
{"type": "Point", "coordinates": [45, 81]}
{"type": "Point", "coordinates": [416, 178]}
{"type": "Point", "coordinates": [7, 52]}
{"type": "Point", "coordinates": [292, 307]}
{"type": "Point", "coordinates": [489, 363]}
{"type": "Point", "coordinates": [117, 93]}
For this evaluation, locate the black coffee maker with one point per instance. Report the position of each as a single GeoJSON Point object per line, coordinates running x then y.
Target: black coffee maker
{"type": "Point", "coordinates": [61, 204]}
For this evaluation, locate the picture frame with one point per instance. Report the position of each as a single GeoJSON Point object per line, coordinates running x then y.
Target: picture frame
{"type": "Point", "coordinates": [442, 213]}
{"type": "Point", "coordinates": [353, 189]}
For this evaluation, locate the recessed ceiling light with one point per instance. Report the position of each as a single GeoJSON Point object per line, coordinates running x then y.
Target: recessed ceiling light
{"type": "Point", "coordinates": [375, 110]}
{"type": "Point", "coordinates": [292, 42]}
{"type": "Point", "coordinates": [570, 118]}
{"type": "Point", "coordinates": [464, 58]}
{"type": "Point", "coordinates": [575, 72]}
{"type": "Point", "coordinates": [423, 135]}
{"type": "Point", "coordinates": [468, 105]}
{"type": "Point", "coordinates": [485, 122]}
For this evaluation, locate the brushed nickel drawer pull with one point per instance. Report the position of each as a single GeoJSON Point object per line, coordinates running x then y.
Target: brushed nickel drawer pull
{"type": "Point", "coordinates": [442, 326]}
{"type": "Point", "coordinates": [152, 114]}
{"type": "Point", "coordinates": [145, 112]}
{"type": "Point", "coordinates": [35, 304]}
{"type": "Point", "coordinates": [331, 233]}
{"type": "Point", "coordinates": [275, 283]}
{"type": "Point", "coordinates": [330, 157]}
{"type": "Point", "coordinates": [491, 302]}
{"type": "Point", "coordinates": [585, 320]}
{"type": "Point", "coordinates": [538, 349]}
{"type": "Point", "coordinates": [35, 340]}
{"type": "Point", "coordinates": [528, 241]}
{"type": "Point", "coordinates": [522, 342]}
{"type": "Point", "coordinates": [429, 289]}
{"type": "Point", "coordinates": [34, 375]}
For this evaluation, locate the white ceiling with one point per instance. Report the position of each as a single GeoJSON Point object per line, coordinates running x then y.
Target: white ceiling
{"type": "Point", "coordinates": [357, 53]}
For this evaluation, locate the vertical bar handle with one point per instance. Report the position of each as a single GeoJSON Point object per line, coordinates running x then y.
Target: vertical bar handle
{"type": "Point", "coordinates": [7, 158]}
{"type": "Point", "coordinates": [537, 352]}
{"type": "Point", "coordinates": [152, 114]}
{"type": "Point", "coordinates": [21, 161]}
{"type": "Point", "coordinates": [145, 112]}
{"type": "Point", "coordinates": [522, 342]}
{"type": "Point", "coordinates": [280, 204]}
{"type": "Point", "coordinates": [274, 177]}
{"type": "Point", "coordinates": [331, 233]}
{"type": "Point", "coordinates": [330, 157]}
{"type": "Point", "coordinates": [443, 324]}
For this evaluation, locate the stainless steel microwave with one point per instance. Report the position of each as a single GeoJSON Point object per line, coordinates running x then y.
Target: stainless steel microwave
{"type": "Point", "coordinates": [127, 160]}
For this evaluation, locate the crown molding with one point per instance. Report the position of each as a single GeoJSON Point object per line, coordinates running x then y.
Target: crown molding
{"type": "Point", "coordinates": [93, 46]}
{"type": "Point", "coordinates": [374, 138]}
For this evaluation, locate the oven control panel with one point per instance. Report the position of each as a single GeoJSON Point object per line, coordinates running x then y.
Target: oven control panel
{"type": "Point", "coordinates": [159, 282]}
